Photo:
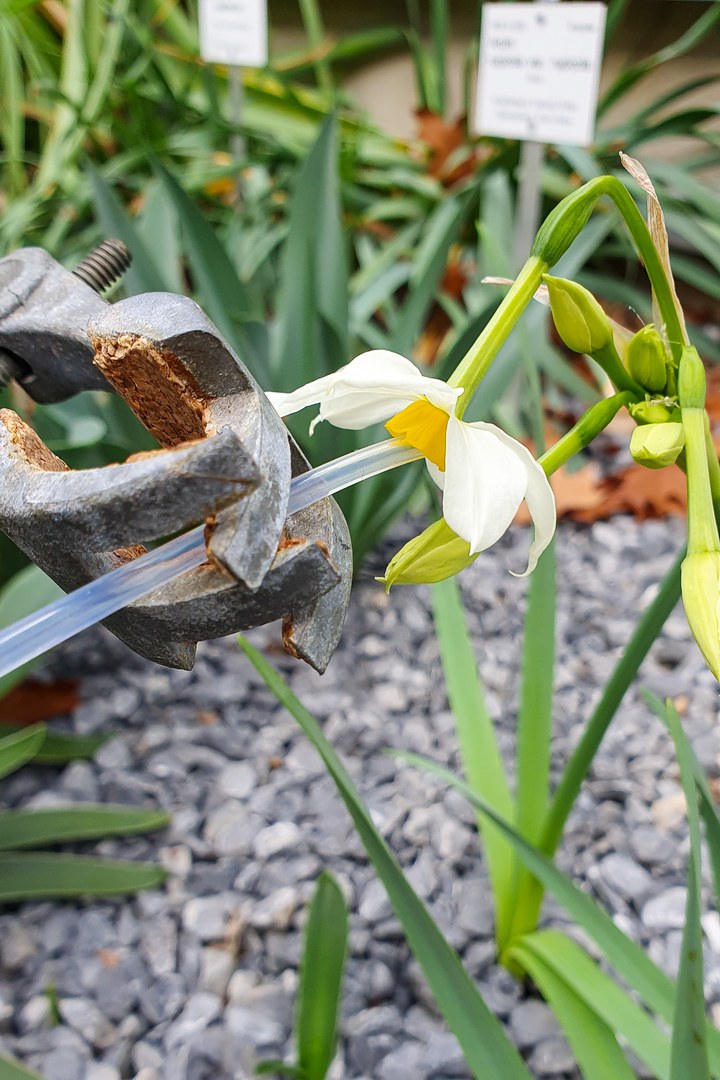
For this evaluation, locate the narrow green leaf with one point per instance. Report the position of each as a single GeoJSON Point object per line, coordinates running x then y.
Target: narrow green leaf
{"type": "Point", "coordinates": [481, 758]}
{"type": "Point", "coordinates": [312, 340]}
{"type": "Point", "coordinates": [429, 264]}
{"type": "Point", "coordinates": [534, 731]}
{"type": "Point", "coordinates": [488, 1051]}
{"type": "Point", "coordinates": [17, 749]}
{"type": "Point", "coordinates": [591, 1040]}
{"type": "Point", "coordinates": [556, 953]}
{"type": "Point", "coordinates": [13, 1070]}
{"type": "Point", "coordinates": [221, 291]}
{"type": "Point", "coordinates": [321, 975]}
{"type": "Point", "coordinates": [536, 698]}
{"type": "Point", "coordinates": [38, 828]}
{"type": "Point", "coordinates": [627, 958]}
{"type": "Point", "coordinates": [143, 275]}
{"type": "Point", "coordinates": [276, 1068]}
{"type": "Point", "coordinates": [637, 648]}
{"type": "Point", "coordinates": [25, 593]}
{"type": "Point", "coordinates": [689, 1055]}
{"type": "Point", "coordinates": [52, 876]}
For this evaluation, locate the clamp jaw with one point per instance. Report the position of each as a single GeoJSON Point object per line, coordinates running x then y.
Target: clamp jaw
{"type": "Point", "coordinates": [226, 459]}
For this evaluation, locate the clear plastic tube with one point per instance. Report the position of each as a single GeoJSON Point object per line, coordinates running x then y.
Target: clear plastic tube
{"type": "Point", "coordinates": [43, 630]}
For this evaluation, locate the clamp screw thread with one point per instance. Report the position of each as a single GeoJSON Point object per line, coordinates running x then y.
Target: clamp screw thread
{"type": "Point", "coordinates": [105, 265]}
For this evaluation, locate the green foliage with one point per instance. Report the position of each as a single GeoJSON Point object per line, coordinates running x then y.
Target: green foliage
{"type": "Point", "coordinates": [321, 972]}
{"type": "Point", "coordinates": [26, 874]}
{"type": "Point", "coordinates": [13, 1070]}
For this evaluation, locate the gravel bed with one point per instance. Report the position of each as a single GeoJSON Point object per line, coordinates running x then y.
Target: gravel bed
{"type": "Point", "coordinates": [197, 981]}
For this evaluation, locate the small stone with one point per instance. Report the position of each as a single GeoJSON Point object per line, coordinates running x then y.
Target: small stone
{"type": "Point", "coordinates": [85, 1017]}
{"type": "Point", "coordinates": [176, 859]}
{"type": "Point", "coordinates": [35, 1013]}
{"type": "Point", "coordinates": [276, 910]}
{"type": "Point", "coordinates": [80, 781]}
{"type": "Point", "coordinates": [623, 876]}
{"type": "Point", "coordinates": [99, 1070]}
{"type": "Point", "coordinates": [475, 912]}
{"type": "Point", "coordinates": [281, 836]}
{"type": "Point", "coordinates": [670, 811]}
{"type": "Point", "coordinates": [216, 967]}
{"type": "Point", "coordinates": [552, 1056]}
{"type": "Point", "coordinates": [391, 697]}
{"type": "Point", "coordinates": [17, 946]}
{"type": "Point", "coordinates": [164, 998]}
{"type": "Point", "coordinates": [374, 904]}
{"type": "Point", "coordinates": [113, 755]}
{"type": "Point", "coordinates": [253, 1026]}
{"type": "Point", "coordinates": [64, 1064]}
{"type": "Point", "coordinates": [159, 945]}
{"type": "Point", "coordinates": [651, 846]}
{"type": "Point", "coordinates": [406, 1061]}
{"type": "Point", "coordinates": [531, 1022]}
{"type": "Point", "coordinates": [199, 1012]}
{"type": "Point", "coordinates": [444, 1056]}
{"type": "Point", "coordinates": [229, 830]}
{"type": "Point", "coordinates": [667, 910]}
{"type": "Point", "coordinates": [237, 780]}
{"type": "Point", "coordinates": [208, 916]}
{"type": "Point", "coordinates": [145, 1055]}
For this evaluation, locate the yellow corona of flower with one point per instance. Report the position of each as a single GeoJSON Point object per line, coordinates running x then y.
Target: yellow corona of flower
{"type": "Point", "coordinates": [483, 473]}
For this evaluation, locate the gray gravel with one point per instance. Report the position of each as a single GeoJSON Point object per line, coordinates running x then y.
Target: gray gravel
{"type": "Point", "coordinates": [198, 981]}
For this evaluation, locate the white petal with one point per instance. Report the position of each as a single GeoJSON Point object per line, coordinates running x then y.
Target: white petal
{"type": "Point", "coordinates": [485, 482]}
{"type": "Point", "coordinates": [538, 496]}
{"type": "Point", "coordinates": [371, 388]}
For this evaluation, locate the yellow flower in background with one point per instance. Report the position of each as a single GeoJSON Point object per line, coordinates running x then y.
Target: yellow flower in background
{"type": "Point", "coordinates": [483, 473]}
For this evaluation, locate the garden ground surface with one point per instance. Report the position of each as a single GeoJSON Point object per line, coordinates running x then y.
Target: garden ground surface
{"type": "Point", "coordinates": [196, 982]}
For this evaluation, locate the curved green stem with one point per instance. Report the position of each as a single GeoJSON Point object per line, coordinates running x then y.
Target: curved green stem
{"type": "Point", "coordinates": [567, 219]}
{"type": "Point", "coordinates": [584, 431]}
{"type": "Point", "coordinates": [476, 362]}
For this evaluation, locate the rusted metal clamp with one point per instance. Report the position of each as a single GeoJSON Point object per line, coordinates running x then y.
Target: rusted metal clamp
{"type": "Point", "coordinates": [226, 460]}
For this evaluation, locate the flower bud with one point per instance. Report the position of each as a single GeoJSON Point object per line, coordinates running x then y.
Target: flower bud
{"type": "Point", "coordinates": [653, 412]}
{"type": "Point", "coordinates": [657, 445]}
{"type": "Point", "coordinates": [436, 554]}
{"type": "Point", "coordinates": [580, 321]}
{"type": "Point", "coordinates": [691, 379]}
{"type": "Point", "coordinates": [646, 359]}
{"type": "Point", "coordinates": [701, 597]}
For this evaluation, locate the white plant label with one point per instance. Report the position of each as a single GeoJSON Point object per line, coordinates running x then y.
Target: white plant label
{"type": "Point", "coordinates": [234, 32]}
{"type": "Point", "coordinates": [539, 71]}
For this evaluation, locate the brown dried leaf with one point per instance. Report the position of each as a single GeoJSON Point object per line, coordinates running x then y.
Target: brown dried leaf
{"type": "Point", "coordinates": [32, 702]}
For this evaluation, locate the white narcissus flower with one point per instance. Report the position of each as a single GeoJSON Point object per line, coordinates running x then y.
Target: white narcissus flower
{"type": "Point", "coordinates": [483, 473]}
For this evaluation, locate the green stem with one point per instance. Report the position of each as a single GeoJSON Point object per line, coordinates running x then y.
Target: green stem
{"type": "Point", "coordinates": [312, 21]}
{"type": "Point", "coordinates": [476, 362]}
{"type": "Point", "coordinates": [567, 219]}
{"type": "Point", "coordinates": [713, 467]}
{"type": "Point", "coordinates": [645, 633]}
{"type": "Point", "coordinates": [609, 360]}
{"type": "Point", "coordinates": [584, 431]}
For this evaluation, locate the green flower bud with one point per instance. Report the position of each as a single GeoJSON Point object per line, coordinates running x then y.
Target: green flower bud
{"type": "Point", "coordinates": [691, 379]}
{"type": "Point", "coordinates": [657, 445]}
{"type": "Point", "coordinates": [653, 412]}
{"type": "Point", "coordinates": [646, 359]}
{"type": "Point", "coordinates": [580, 321]}
{"type": "Point", "coordinates": [436, 554]}
{"type": "Point", "coordinates": [701, 600]}
{"type": "Point", "coordinates": [566, 220]}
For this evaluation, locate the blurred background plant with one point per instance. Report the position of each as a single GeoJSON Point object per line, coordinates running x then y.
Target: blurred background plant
{"type": "Point", "coordinates": [309, 239]}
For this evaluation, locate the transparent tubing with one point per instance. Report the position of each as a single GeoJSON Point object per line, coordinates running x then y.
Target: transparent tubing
{"type": "Point", "coordinates": [34, 635]}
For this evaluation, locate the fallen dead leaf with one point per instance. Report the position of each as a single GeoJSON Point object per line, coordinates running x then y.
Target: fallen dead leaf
{"type": "Point", "coordinates": [32, 702]}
